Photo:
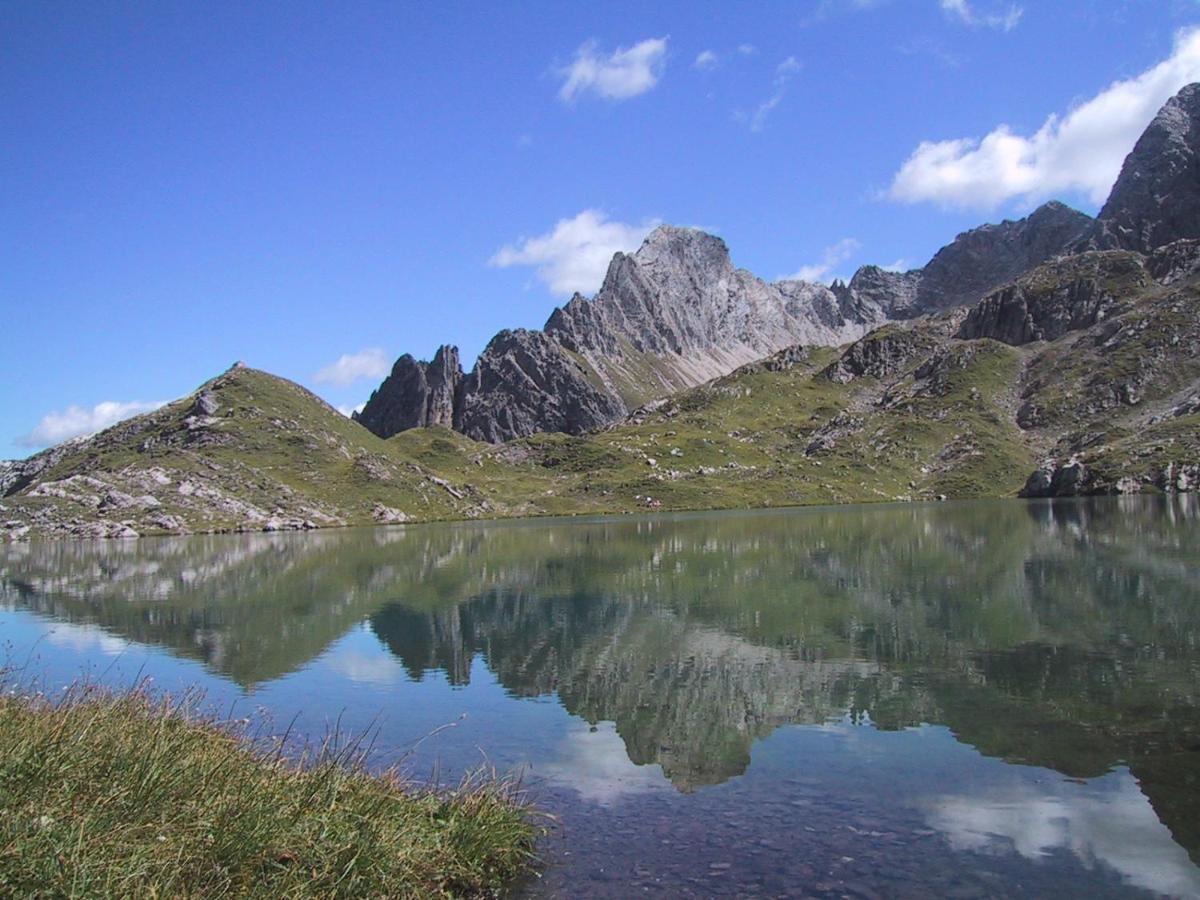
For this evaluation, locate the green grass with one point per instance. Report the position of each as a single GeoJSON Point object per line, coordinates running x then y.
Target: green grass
{"type": "Point", "coordinates": [126, 794]}
{"type": "Point", "coordinates": [942, 423]}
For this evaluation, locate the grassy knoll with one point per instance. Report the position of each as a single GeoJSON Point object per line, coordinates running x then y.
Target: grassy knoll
{"type": "Point", "coordinates": [128, 795]}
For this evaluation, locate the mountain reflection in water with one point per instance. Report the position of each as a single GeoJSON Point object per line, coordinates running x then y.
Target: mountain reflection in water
{"type": "Point", "coordinates": [1062, 635]}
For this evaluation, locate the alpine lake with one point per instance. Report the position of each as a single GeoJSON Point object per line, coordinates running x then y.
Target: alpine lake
{"type": "Point", "coordinates": [965, 699]}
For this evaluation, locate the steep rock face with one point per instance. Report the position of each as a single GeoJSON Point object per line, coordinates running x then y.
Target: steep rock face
{"type": "Point", "coordinates": [1068, 295]}
{"type": "Point", "coordinates": [671, 316]}
{"type": "Point", "coordinates": [880, 294]}
{"type": "Point", "coordinates": [1156, 199]}
{"type": "Point", "coordinates": [526, 382]}
{"type": "Point", "coordinates": [677, 313]}
{"type": "Point", "coordinates": [414, 395]}
{"type": "Point", "coordinates": [966, 269]}
{"type": "Point", "coordinates": [984, 258]}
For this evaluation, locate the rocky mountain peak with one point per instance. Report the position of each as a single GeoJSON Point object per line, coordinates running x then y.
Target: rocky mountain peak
{"type": "Point", "coordinates": [416, 394]}
{"type": "Point", "coordinates": [1156, 198]}
{"type": "Point", "coordinates": [683, 245]}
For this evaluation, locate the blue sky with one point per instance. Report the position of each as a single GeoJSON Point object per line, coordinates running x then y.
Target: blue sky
{"type": "Point", "coordinates": [317, 188]}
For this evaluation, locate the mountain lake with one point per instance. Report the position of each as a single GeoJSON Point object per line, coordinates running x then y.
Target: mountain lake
{"type": "Point", "coordinates": [965, 699]}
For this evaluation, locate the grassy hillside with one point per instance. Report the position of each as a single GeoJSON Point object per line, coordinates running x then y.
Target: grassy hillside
{"type": "Point", "coordinates": [909, 412]}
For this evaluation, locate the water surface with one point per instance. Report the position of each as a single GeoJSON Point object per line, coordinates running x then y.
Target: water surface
{"type": "Point", "coordinates": [963, 699]}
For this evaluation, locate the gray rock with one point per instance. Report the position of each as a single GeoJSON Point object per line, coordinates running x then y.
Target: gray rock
{"type": "Point", "coordinates": [1156, 198]}
{"type": "Point", "coordinates": [525, 382]}
{"type": "Point", "coordinates": [416, 394]}
{"type": "Point", "coordinates": [973, 264]}
{"type": "Point", "coordinates": [982, 259]}
{"type": "Point", "coordinates": [672, 315]}
{"type": "Point", "coordinates": [880, 354]}
{"type": "Point", "coordinates": [1039, 482]}
{"type": "Point", "coordinates": [1067, 295]}
{"type": "Point", "coordinates": [206, 404]}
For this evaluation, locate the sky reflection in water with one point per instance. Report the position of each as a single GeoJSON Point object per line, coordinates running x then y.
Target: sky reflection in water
{"type": "Point", "coordinates": [1004, 693]}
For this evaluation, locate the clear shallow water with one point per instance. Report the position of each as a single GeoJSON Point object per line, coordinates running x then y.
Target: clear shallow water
{"type": "Point", "coordinates": [962, 700]}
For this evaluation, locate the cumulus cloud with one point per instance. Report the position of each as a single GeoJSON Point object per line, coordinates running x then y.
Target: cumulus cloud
{"type": "Point", "coordinates": [831, 258]}
{"type": "Point", "coordinates": [348, 411]}
{"type": "Point", "coordinates": [1080, 151]}
{"type": "Point", "coordinates": [624, 73]}
{"type": "Point", "coordinates": [350, 367]}
{"type": "Point", "coordinates": [1005, 20]}
{"type": "Point", "coordinates": [705, 59]}
{"type": "Point", "coordinates": [76, 421]}
{"type": "Point", "coordinates": [574, 255]}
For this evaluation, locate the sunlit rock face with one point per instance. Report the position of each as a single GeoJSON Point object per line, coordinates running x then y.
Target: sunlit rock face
{"type": "Point", "coordinates": [676, 313]}
{"type": "Point", "coordinates": [672, 315]}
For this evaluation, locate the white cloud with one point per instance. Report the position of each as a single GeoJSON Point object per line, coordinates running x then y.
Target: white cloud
{"type": "Point", "coordinates": [705, 59]}
{"type": "Point", "coordinates": [1005, 21]}
{"type": "Point", "coordinates": [747, 49]}
{"type": "Point", "coordinates": [75, 421]}
{"type": "Point", "coordinates": [347, 411]}
{"type": "Point", "coordinates": [759, 119]}
{"type": "Point", "coordinates": [899, 265]}
{"type": "Point", "coordinates": [596, 765]}
{"type": "Point", "coordinates": [789, 66]}
{"type": "Point", "coordinates": [1107, 819]}
{"type": "Point", "coordinates": [575, 254]}
{"type": "Point", "coordinates": [831, 257]}
{"type": "Point", "coordinates": [783, 74]}
{"type": "Point", "coordinates": [1081, 151]}
{"type": "Point", "coordinates": [625, 73]}
{"type": "Point", "coordinates": [350, 367]}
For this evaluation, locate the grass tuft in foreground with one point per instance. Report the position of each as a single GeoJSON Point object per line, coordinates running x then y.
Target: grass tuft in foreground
{"type": "Point", "coordinates": [106, 794]}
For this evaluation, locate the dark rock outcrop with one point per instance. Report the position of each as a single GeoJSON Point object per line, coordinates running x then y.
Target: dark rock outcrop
{"type": "Point", "coordinates": [1156, 198]}
{"type": "Point", "coordinates": [526, 382]}
{"type": "Point", "coordinates": [880, 354]}
{"type": "Point", "coordinates": [984, 258]}
{"type": "Point", "coordinates": [415, 395]}
{"type": "Point", "coordinates": [677, 313]}
{"type": "Point", "coordinates": [1067, 295]}
{"type": "Point", "coordinates": [966, 269]}
{"type": "Point", "coordinates": [671, 316]}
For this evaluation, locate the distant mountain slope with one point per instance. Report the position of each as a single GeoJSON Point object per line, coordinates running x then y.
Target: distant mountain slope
{"type": "Point", "coordinates": [1156, 198]}
{"type": "Point", "coordinates": [1082, 376]}
{"type": "Point", "coordinates": [677, 313]}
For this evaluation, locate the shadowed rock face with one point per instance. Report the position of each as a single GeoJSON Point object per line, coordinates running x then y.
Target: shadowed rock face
{"type": "Point", "coordinates": [1068, 295]}
{"type": "Point", "coordinates": [671, 316]}
{"type": "Point", "coordinates": [415, 395]}
{"type": "Point", "coordinates": [1156, 199]}
{"type": "Point", "coordinates": [984, 258]}
{"type": "Point", "coordinates": [526, 382]}
{"type": "Point", "coordinates": [677, 313]}
{"type": "Point", "coordinates": [973, 264]}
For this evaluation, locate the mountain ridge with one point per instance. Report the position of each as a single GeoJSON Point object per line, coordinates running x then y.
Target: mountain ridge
{"type": "Point", "coordinates": [1080, 375]}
